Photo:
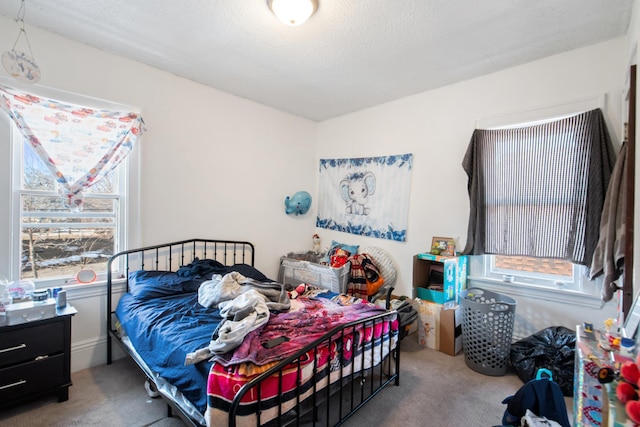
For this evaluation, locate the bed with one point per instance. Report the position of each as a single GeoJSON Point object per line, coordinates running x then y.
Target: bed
{"type": "Point", "coordinates": [319, 360]}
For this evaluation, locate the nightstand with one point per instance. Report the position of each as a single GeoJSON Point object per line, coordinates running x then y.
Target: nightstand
{"type": "Point", "coordinates": [35, 358]}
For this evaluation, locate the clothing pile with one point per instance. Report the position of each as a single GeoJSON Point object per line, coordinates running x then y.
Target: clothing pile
{"type": "Point", "coordinates": [364, 278]}
{"type": "Point", "coordinates": [244, 305]}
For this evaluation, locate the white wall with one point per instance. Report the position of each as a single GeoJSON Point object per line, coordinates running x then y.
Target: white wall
{"type": "Point", "coordinates": [436, 127]}
{"type": "Point", "coordinates": [213, 165]}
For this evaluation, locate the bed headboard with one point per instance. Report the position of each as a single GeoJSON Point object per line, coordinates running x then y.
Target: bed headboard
{"type": "Point", "coordinates": [172, 256]}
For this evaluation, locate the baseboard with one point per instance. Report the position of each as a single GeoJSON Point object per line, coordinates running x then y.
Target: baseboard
{"type": "Point", "coordinates": [90, 353]}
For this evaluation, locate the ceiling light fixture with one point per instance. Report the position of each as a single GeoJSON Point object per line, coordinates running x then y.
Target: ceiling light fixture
{"type": "Point", "coordinates": [293, 12]}
{"type": "Point", "coordinates": [18, 64]}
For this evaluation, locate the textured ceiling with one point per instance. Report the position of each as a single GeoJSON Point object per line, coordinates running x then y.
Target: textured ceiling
{"type": "Point", "coordinates": [350, 55]}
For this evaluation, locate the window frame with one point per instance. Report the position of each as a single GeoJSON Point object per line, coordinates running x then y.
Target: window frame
{"type": "Point", "coordinates": [127, 212]}
{"type": "Point", "coordinates": [120, 234]}
{"type": "Point", "coordinates": [581, 290]}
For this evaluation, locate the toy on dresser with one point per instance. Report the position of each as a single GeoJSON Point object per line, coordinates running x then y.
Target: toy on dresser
{"type": "Point", "coordinates": [618, 369]}
{"type": "Point", "coordinates": [627, 389]}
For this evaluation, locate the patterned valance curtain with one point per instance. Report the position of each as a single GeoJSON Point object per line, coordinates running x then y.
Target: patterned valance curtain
{"type": "Point", "coordinates": [78, 145]}
{"type": "Point", "coordinates": [538, 190]}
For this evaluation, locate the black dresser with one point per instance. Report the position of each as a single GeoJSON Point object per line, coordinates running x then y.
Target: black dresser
{"type": "Point", "coordinates": [35, 358]}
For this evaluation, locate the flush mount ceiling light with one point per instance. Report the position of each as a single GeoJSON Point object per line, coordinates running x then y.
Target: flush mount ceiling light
{"type": "Point", "coordinates": [293, 12]}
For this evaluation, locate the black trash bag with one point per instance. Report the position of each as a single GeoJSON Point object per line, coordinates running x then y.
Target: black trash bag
{"type": "Point", "coordinates": [552, 348]}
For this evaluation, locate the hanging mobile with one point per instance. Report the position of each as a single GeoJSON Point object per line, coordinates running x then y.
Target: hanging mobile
{"type": "Point", "coordinates": [19, 65]}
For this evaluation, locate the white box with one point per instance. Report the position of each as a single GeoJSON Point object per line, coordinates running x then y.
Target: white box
{"type": "Point", "coordinates": [29, 311]}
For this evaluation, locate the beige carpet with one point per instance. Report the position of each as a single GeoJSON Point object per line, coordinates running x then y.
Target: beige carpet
{"type": "Point", "coordinates": [435, 390]}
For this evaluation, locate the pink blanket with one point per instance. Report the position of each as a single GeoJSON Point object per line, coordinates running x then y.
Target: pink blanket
{"type": "Point", "coordinates": [307, 320]}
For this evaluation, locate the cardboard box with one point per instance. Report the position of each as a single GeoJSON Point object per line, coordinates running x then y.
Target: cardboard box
{"type": "Point", "coordinates": [440, 327]}
{"type": "Point", "coordinates": [452, 271]}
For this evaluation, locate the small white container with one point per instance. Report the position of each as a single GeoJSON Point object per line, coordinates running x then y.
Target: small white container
{"type": "Point", "coordinates": [627, 348]}
{"type": "Point", "coordinates": [29, 311]}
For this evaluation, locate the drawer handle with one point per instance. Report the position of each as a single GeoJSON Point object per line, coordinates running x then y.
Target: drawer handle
{"type": "Point", "coordinates": [17, 383]}
{"type": "Point", "coordinates": [32, 318]}
{"type": "Point", "coordinates": [18, 347]}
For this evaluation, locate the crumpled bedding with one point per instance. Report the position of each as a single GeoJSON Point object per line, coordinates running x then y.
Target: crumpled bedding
{"type": "Point", "coordinates": [312, 315]}
{"type": "Point", "coordinates": [309, 319]}
{"type": "Point", "coordinates": [244, 305]}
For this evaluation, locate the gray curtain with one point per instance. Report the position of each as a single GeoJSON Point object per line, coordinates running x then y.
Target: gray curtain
{"type": "Point", "coordinates": [539, 190]}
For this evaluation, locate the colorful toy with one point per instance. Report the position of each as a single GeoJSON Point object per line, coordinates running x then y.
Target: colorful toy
{"type": "Point", "coordinates": [339, 258]}
{"type": "Point", "coordinates": [627, 389]}
{"type": "Point", "coordinates": [625, 392]}
{"type": "Point", "coordinates": [298, 204]}
{"type": "Point", "coordinates": [633, 410]}
{"type": "Point", "coordinates": [316, 244]}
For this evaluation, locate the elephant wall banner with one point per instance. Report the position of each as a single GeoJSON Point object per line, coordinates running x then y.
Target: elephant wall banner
{"type": "Point", "coordinates": [368, 196]}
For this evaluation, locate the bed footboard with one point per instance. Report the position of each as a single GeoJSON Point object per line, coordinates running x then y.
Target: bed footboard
{"type": "Point", "coordinates": [327, 381]}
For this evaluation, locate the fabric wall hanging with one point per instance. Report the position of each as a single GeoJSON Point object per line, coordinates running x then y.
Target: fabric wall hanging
{"type": "Point", "coordinates": [78, 145]}
{"type": "Point", "coordinates": [368, 196]}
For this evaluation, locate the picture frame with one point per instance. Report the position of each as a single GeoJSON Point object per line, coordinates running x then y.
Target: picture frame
{"type": "Point", "coordinates": [442, 243]}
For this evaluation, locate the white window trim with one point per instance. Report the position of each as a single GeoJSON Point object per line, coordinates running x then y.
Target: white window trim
{"type": "Point", "coordinates": [589, 294]}
{"type": "Point", "coordinates": [10, 213]}
{"type": "Point", "coordinates": [479, 272]}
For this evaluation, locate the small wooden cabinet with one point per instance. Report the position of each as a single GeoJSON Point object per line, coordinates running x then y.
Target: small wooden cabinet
{"type": "Point", "coordinates": [35, 358]}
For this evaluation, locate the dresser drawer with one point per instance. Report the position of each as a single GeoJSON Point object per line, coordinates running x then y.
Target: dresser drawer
{"type": "Point", "coordinates": [32, 377]}
{"type": "Point", "coordinates": [24, 344]}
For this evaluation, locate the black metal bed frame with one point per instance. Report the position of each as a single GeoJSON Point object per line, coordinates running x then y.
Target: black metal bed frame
{"type": "Point", "coordinates": [331, 405]}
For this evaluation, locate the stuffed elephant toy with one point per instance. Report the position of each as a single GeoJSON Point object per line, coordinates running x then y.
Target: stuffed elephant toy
{"type": "Point", "coordinates": [298, 204]}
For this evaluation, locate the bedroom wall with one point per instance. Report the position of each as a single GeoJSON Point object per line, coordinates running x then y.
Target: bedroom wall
{"type": "Point", "coordinates": [232, 161]}
{"type": "Point", "coordinates": [212, 164]}
{"type": "Point", "coordinates": [436, 127]}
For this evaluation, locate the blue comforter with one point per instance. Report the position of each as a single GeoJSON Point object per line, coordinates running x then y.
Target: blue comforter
{"type": "Point", "coordinates": [164, 321]}
{"type": "Point", "coordinates": [163, 330]}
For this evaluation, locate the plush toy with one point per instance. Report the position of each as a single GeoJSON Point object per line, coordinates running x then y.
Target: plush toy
{"type": "Point", "coordinates": [629, 371]}
{"type": "Point", "coordinates": [299, 290]}
{"type": "Point", "coordinates": [627, 389]}
{"type": "Point", "coordinates": [339, 258]}
{"type": "Point", "coordinates": [633, 410]}
{"type": "Point", "coordinates": [316, 244]}
{"type": "Point", "coordinates": [625, 392]}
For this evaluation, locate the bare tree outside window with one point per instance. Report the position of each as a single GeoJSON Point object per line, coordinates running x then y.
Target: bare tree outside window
{"type": "Point", "coordinates": [55, 241]}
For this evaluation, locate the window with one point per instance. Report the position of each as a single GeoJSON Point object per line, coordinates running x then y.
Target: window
{"type": "Point", "coordinates": [50, 243]}
{"type": "Point", "coordinates": [56, 243]}
{"type": "Point", "coordinates": [532, 203]}
{"type": "Point", "coordinates": [537, 272]}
